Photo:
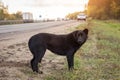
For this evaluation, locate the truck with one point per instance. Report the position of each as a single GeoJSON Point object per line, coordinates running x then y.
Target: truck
{"type": "Point", "coordinates": [27, 17]}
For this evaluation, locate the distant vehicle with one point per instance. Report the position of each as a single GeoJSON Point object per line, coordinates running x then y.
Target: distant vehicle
{"type": "Point", "coordinates": [27, 17]}
{"type": "Point", "coordinates": [81, 17]}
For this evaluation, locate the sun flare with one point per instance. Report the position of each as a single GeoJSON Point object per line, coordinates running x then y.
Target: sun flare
{"type": "Point", "coordinates": [46, 9]}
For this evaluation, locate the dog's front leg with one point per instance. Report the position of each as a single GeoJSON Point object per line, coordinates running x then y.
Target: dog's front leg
{"type": "Point", "coordinates": [70, 60]}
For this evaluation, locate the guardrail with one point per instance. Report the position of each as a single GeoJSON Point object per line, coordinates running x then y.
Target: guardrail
{"type": "Point", "coordinates": [4, 22]}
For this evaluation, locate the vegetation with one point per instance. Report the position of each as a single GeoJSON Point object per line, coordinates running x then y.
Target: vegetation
{"type": "Point", "coordinates": [101, 9]}
{"type": "Point", "coordinates": [99, 58]}
{"type": "Point", "coordinates": [7, 16]}
{"type": "Point", "coordinates": [104, 9]}
{"type": "Point", "coordinates": [15, 16]}
{"type": "Point", "coordinates": [74, 15]}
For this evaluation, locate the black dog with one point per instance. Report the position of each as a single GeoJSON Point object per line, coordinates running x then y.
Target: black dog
{"type": "Point", "coordinates": [65, 45]}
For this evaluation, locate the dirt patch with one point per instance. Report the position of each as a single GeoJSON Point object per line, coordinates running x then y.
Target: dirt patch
{"type": "Point", "coordinates": [15, 56]}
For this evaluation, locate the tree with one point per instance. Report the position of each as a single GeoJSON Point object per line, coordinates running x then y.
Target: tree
{"type": "Point", "coordinates": [1, 14]}
{"type": "Point", "coordinates": [11, 17]}
{"type": "Point", "coordinates": [104, 9]}
{"type": "Point", "coordinates": [4, 14]}
{"type": "Point", "coordinates": [73, 15]}
{"type": "Point", "coordinates": [115, 9]}
{"type": "Point", "coordinates": [18, 15]}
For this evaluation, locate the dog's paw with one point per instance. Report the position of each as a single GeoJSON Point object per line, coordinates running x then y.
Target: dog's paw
{"type": "Point", "coordinates": [40, 72]}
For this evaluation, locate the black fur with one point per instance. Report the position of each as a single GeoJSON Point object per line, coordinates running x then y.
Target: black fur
{"type": "Point", "coordinates": [65, 45]}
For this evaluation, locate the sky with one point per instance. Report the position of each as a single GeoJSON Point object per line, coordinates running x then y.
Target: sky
{"type": "Point", "coordinates": [45, 8]}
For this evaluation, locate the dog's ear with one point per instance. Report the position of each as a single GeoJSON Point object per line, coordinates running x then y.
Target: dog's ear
{"type": "Point", "coordinates": [85, 31]}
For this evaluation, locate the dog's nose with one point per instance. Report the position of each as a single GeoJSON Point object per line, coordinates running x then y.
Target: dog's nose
{"type": "Point", "coordinates": [79, 41]}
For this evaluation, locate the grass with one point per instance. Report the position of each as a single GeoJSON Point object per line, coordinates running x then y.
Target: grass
{"type": "Point", "coordinates": [99, 57]}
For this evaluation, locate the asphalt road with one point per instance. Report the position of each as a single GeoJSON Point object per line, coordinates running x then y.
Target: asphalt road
{"type": "Point", "coordinates": [31, 26]}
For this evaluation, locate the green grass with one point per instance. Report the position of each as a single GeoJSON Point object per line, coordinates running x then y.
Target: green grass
{"type": "Point", "coordinates": [99, 57]}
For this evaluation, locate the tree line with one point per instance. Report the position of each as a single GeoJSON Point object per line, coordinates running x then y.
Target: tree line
{"type": "Point", "coordinates": [100, 9]}
{"type": "Point", "coordinates": [7, 16]}
{"type": "Point", "coordinates": [104, 9]}
{"type": "Point", "coordinates": [73, 15]}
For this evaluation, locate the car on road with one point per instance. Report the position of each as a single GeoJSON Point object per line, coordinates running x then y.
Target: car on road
{"type": "Point", "coordinates": [81, 17]}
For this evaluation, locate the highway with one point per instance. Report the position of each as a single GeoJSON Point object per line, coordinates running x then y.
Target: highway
{"type": "Point", "coordinates": [31, 26]}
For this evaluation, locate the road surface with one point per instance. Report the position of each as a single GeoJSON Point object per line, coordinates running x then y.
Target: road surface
{"type": "Point", "coordinates": [31, 26]}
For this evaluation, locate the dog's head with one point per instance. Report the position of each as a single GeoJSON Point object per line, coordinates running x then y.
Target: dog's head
{"type": "Point", "coordinates": [81, 36]}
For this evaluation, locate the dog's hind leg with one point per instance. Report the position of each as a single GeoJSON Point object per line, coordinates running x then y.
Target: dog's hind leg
{"type": "Point", "coordinates": [37, 56]}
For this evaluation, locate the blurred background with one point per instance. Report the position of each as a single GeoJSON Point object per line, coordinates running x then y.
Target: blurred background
{"type": "Point", "coordinates": [58, 9]}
